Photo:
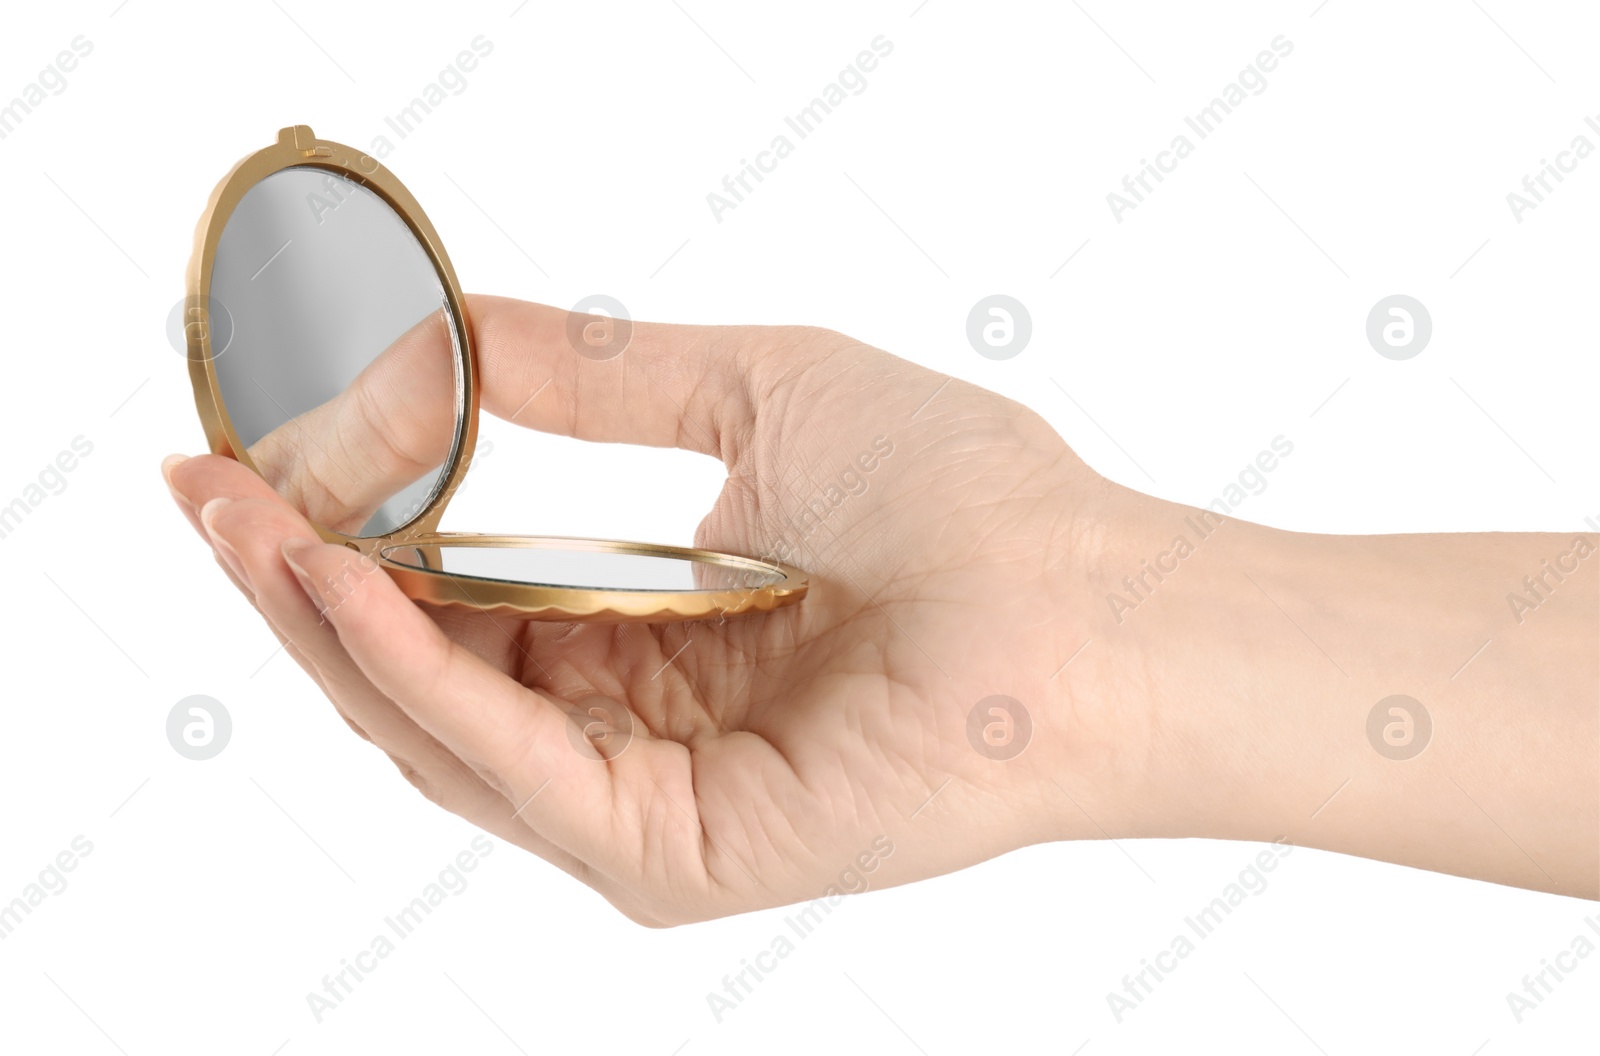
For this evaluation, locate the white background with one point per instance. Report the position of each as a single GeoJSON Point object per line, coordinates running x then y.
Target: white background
{"type": "Point", "coordinates": [1224, 311]}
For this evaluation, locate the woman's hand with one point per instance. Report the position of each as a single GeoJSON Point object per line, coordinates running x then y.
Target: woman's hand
{"type": "Point", "coordinates": [688, 771]}
{"type": "Point", "coordinates": [999, 647]}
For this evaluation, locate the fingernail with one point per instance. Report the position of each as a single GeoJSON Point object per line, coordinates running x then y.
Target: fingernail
{"type": "Point", "coordinates": [290, 549]}
{"type": "Point", "coordinates": [168, 464]}
{"type": "Point", "coordinates": [208, 518]}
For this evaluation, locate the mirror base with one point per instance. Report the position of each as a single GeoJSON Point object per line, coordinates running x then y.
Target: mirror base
{"type": "Point", "coordinates": [449, 569]}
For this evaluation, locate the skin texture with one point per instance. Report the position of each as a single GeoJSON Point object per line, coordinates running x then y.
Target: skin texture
{"type": "Point", "coordinates": [774, 759]}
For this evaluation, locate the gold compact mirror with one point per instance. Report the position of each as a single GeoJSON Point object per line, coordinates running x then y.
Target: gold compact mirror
{"type": "Point", "coordinates": [331, 353]}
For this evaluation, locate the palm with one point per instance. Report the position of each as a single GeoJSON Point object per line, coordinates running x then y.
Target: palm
{"type": "Point", "coordinates": [739, 763]}
{"type": "Point", "coordinates": [743, 729]}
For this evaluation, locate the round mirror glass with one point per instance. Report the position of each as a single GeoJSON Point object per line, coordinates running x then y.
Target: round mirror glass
{"type": "Point", "coordinates": [342, 374]}
{"type": "Point", "coordinates": [569, 563]}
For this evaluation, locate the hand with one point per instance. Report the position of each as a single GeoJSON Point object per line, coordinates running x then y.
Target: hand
{"type": "Point", "coordinates": [772, 759]}
{"type": "Point", "coordinates": [957, 551]}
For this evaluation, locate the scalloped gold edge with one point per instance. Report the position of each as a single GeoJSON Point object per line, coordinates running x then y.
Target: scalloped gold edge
{"type": "Point", "coordinates": [569, 604]}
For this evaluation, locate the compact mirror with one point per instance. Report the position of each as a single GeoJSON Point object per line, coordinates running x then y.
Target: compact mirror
{"type": "Point", "coordinates": [347, 380]}
{"type": "Point", "coordinates": [339, 373]}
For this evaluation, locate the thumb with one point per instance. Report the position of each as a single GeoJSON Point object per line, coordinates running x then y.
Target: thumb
{"type": "Point", "coordinates": [658, 384]}
{"type": "Point", "coordinates": [391, 427]}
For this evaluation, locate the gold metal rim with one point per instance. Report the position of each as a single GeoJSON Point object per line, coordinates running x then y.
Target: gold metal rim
{"type": "Point", "coordinates": [539, 602]}
{"type": "Point", "coordinates": [297, 146]}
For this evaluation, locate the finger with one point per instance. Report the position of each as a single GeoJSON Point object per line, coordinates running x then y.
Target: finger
{"type": "Point", "coordinates": [254, 530]}
{"type": "Point", "coordinates": [247, 523]}
{"type": "Point", "coordinates": [693, 387]}
{"type": "Point", "coordinates": [516, 735]}
{"type": "Point", "coordinates": [196, 481]}
{"type": "Point", "coordinates": [231, 480]}
{"type": "Point", "coordinates": [247, 534]}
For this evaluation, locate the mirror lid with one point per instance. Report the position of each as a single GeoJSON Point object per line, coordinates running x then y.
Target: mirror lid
{"type": "Point", "coordinates": [775, 585]}
{"type": "Point", "coordinates": [298, 147]}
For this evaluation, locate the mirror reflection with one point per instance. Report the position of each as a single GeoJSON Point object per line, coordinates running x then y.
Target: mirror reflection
{"type": "Point", "coordinates": [341, 377]}
{"type": "Point", "coordinates": [566, 563]}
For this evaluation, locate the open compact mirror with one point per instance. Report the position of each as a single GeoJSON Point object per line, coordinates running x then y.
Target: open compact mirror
{"type": "Point", "coordinates": [331, 353]}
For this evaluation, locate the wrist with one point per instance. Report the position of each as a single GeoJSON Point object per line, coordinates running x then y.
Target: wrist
{"type": "Point", "coordinates": [1371, 695]}
{"type": "Point", "coordinates": [1172, 681]}
{"type": "Point", "coordinates": [1104, 757]}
